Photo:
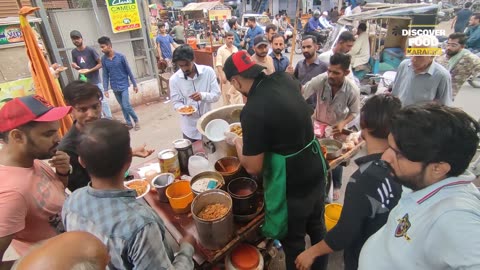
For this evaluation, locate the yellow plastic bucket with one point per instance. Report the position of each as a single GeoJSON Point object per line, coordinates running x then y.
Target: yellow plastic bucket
{"type": "Point", "coordinates": [332, 215]}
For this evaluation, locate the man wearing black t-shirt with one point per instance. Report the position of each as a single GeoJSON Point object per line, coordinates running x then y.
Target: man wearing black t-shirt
{"type": "Point", "coordinates": [371, 192]}
{"type": "Point", "coordinates": [85, 99]}
{"type": "Point", "coordinates": [278, 143]}
{"type": "Point", "coordinates": [87, 61]}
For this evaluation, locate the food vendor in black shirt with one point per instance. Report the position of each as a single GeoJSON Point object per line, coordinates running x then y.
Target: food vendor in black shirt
{"type": "Point", "coordinates": [278, 143]}
{"type": "Point", "coordinates": [85, 99]}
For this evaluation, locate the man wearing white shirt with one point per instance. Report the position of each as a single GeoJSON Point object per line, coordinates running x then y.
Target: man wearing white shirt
{"type": "Point", "coordinates": [361, 49]}
{"type": "Point", "coordinates": [436, 223]}
{"type": "Point", "coordinates": [276, 20]}
{"type": "Point", "coordinates": [324, 20]}
{"type": "Point", "coordinates": [229, 94]}
{"type": "Point", "coordinates": [226, 26]}
{"type": "Point", "coordinates": [348, 10]}
{"type": "Point", "coordinates": [167, 25]}
{"type": "Point", "coordinates": [194, 85]}
{"type": "Point", "coordinates": [270, 31]}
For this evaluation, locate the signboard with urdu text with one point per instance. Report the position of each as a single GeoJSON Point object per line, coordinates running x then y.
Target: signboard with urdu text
{"type": "Point", "coordinates": [124, 15]}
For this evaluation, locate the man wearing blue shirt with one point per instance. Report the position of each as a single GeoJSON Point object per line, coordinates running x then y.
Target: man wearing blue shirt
{"type": "Point", "coordinates": [436, 223]}
{"type": "Point", "coordinates": [164, 42]}
{"type": "Point", "coordinates": [280, 62]}
{"type": "Point", "coordinates": [473, 34]}
{"type": "Point", "coordinates": [116, 71]}
{"type": "Point", "coordinates": [253, 31]}
{"type": "Point", "coordinates": [313, 26]}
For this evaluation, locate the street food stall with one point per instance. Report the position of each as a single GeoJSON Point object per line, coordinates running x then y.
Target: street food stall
{"type": "Point", "coordinates": [218, 240]}
{"type": "Point", "coordinates": [204, 42]}
{"type": "Point", "coordinates": [385, 23]}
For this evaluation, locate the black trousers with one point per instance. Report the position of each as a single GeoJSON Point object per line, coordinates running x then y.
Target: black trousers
{"type": "Point", "coordinates": [337, 175]}
{"type": "Point", "coordinates": [305, 216]}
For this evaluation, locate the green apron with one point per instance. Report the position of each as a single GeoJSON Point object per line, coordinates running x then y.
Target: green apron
{"type": "Point", "coordinates": [275, 190]}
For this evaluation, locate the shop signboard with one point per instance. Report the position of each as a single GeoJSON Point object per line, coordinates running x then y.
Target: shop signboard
{"type": "Point", "coordinates": [10, 34]}
{"type": "Point", "coordinates": [124, 15]}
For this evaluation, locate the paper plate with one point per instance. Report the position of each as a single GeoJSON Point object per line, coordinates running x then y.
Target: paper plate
{"type": "Point", "coordinates": [185, 106]}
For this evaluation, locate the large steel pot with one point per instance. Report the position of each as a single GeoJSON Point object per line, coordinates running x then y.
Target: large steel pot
{"type": "Point", "coordinates": [334, 148]}
{"type": "Point", "coordinates": [218, 150]}
{"type": "Point", "coordinates": [213, 234]}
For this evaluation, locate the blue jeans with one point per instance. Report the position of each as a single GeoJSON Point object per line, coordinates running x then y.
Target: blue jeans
{"type": "Point", "coordinates": [127, 109]}
{"type": "Point", "coordinates": [106, 112]}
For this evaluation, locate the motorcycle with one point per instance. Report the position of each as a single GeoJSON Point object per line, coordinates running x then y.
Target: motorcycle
{"type": "Point", "coordinates": [324, 33]}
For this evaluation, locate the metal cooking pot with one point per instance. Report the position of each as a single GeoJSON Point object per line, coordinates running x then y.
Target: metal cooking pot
{"type": "Point", "coordinates": [208, 174]}
{"type": "Point", "coordinates": [334, 147]}
{"type": "Point", "coordinates": [213, 234]}
{"type": "Point", "coordinates": [218, 150]}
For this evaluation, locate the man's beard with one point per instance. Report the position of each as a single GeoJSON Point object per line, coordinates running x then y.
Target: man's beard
{"type": "Point", "coordinates": [451, 53]}
{"type": "Point", "coordinates": [278, 51]}
{"type": "Point", "coordinates": [307, 55]}
{"type": "Point", "coordinates": [263, 54]}
{"type": "Point", "coordinates": [32, 149]}
{"type": "Point", "coordinates": [414, 182]}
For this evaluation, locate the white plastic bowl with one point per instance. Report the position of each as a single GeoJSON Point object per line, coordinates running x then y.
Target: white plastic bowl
{"type": "Point", "coordinates": [215, 130]}
{"type": "Point", "coordinates": [137, 180]}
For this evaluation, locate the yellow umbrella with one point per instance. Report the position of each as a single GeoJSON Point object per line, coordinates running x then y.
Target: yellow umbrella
{"type": "Point", "coordinates": [45, 84]}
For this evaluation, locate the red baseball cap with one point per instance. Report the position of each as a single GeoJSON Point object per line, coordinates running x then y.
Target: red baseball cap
{"type": "Point", "coordinates": [19, 111]}
{"type": "Point", "coordinates": [241, 64]}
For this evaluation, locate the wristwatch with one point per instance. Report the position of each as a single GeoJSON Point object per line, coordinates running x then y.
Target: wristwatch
{"type": "Point", "coordinates": [65, 174]}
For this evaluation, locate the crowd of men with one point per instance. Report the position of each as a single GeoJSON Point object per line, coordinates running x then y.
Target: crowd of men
{"type": "Point", "coordinates": [408, 206]}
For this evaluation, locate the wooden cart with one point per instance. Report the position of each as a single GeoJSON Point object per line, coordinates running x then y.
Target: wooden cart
{"type": "Point", "coordinates": [209, 12]}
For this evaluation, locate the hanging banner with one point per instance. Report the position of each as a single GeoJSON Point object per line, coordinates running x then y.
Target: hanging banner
{"type": "Point", "coordinates": [124, 15]}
